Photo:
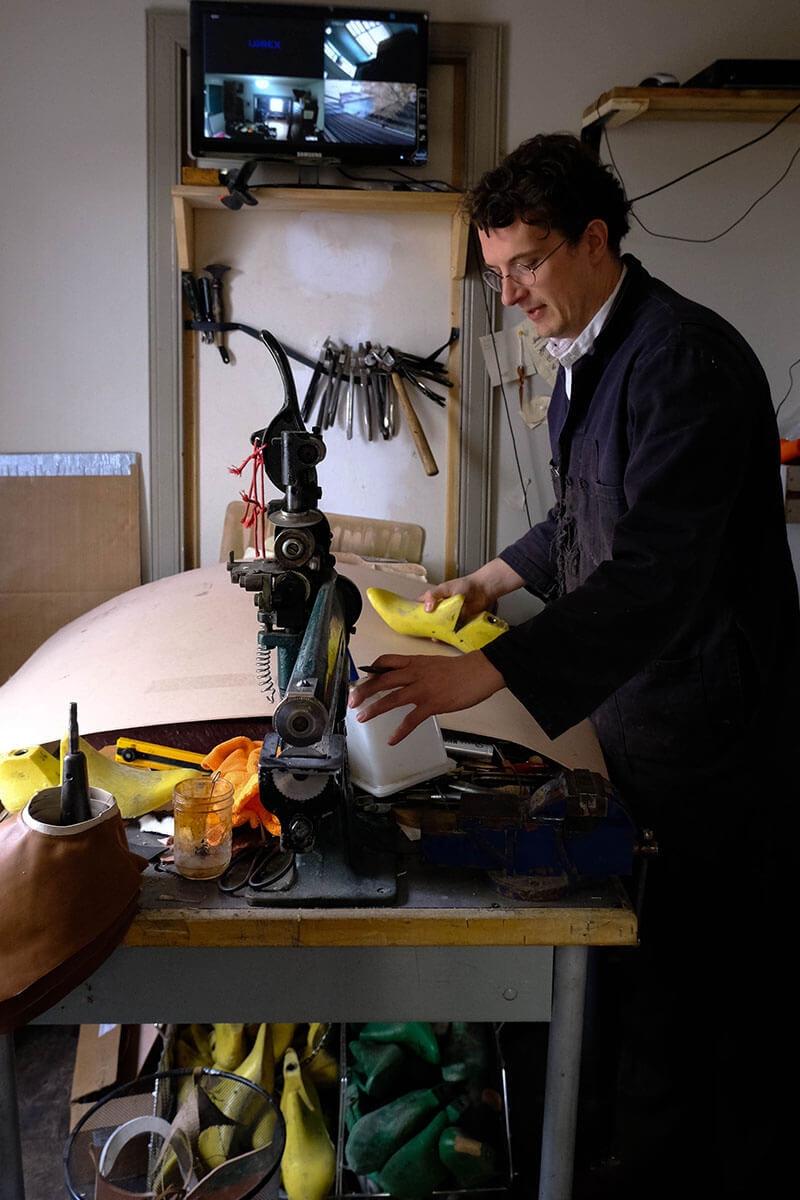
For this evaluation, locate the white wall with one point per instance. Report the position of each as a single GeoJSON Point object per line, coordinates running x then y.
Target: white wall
{"type": "Point", "coordinates": [73, 325]}
{"type": "Point", "coordinates": [73, 332]}
{"type": "Point", "coordinates": [306, 276]}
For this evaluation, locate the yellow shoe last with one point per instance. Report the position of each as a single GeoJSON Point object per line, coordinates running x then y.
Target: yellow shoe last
{"type": "Point", "coordinates": [409, 616]}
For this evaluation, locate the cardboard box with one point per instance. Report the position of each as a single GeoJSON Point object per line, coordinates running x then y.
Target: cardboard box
{"type": "Point", "coordinates": [108, 1056]}
{"type": "Point", "coordinates": [69, 540]}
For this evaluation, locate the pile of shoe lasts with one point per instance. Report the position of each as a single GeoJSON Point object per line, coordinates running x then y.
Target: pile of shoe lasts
{"type": "Point", "coordinates": [422, 1108]}
{"type": "Point", "coordinates": [290, 1059]}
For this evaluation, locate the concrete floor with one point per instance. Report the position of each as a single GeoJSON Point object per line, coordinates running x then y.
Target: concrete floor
{"type": "Point", "coordinates": [45, 1057]}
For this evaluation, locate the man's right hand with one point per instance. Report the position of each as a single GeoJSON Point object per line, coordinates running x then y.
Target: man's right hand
{"type": "Point", "coordinates": [481, 589]}
{"type": "Point", "coordinates": [476, 598]}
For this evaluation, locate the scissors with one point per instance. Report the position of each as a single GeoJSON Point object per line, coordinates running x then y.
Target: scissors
{"type": "Point", "coordinates": [256, 867]}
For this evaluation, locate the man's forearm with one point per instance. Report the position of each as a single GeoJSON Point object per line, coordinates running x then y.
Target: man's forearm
{"type": "Point", "coordinates": [497, 578]}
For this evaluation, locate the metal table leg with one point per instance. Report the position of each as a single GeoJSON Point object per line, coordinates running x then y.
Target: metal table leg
{"type": "Point", "coordinates": [12, 1186]}
{"type": "Point", "coordinates": [564, 1043]}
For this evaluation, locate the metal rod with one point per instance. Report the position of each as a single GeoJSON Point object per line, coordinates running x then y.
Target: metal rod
{"type": "Point", "coordinates": [563, 1072]}
{"type": "Point", "coordinates": [12, 1186]}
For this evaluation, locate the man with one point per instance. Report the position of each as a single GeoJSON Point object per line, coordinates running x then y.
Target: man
{"type": "Point", "coordinates": [670, 619]}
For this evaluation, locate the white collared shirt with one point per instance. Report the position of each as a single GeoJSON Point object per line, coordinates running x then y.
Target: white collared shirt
{"type": "Point", "coordinates": [568, 350]}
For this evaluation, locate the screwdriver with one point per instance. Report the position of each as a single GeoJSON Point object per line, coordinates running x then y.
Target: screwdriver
{"type": "Point", "coordinates": [74, 778]}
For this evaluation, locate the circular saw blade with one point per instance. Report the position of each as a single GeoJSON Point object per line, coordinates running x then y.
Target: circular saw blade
{"type": "Point", "coordinates": [299, 787]}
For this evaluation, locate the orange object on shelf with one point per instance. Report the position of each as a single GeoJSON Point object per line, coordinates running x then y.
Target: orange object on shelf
{"type": "Point", "coordinates": [790, 450]}
{"type": "Point", "coordinates": [237, 761]}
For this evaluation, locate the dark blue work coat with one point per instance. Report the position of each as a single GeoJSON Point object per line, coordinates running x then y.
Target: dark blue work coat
{"type": "Point", "coordinates": [671, 613]}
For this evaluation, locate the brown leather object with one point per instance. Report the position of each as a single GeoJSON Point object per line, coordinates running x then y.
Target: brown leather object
{"type": "Point", "coordinates": [68, 899]}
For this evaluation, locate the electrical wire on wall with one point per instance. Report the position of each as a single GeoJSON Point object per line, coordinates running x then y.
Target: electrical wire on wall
{"type": "Point", "coordinates": [702, 167]}
{"type": "Point", "coordinates": [523, 485]}
{"type": "Point", "coordinates": [785, 396]}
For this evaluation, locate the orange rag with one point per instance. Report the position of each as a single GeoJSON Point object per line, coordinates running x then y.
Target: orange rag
{"type": "Point", "coordinates": [237, 761]}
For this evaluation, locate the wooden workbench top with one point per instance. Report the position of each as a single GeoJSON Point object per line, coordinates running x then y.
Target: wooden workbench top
{"type": "Point", "coordinates": [440, 908]}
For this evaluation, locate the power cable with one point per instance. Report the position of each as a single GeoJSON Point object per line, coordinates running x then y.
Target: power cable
{"type": "Point", "coordinates": [715, 237]}
{"type": "Point", "coordinates": [522, 484]}
{"type": "Point", "coordinates": [791, 385]}
{"type": "Point", "coordinates": [760, 137]}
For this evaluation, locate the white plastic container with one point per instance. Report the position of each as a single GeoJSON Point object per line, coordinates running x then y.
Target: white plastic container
{"type": "Point", "coordinates": [381, 769]}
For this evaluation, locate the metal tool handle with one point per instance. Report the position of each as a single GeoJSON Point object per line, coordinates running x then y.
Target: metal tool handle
{"type": "Point", "coordinates": [417, 433]}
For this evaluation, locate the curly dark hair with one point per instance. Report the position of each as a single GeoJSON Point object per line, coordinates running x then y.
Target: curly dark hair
{"type": "Point", "coordinates": [553, 180]}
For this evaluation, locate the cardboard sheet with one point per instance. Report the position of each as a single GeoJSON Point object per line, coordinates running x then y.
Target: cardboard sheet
{"type": "Point", "coordinates": [69, 540]}
{"type": "Point", "coordinates": [183, 649]}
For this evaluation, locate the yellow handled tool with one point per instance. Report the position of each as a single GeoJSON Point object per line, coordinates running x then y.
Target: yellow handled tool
{"type": "Point", "coordinates": [159, 758]}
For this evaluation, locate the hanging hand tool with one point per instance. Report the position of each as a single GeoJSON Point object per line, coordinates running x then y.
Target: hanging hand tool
{"type": "Point", "coordinates": [75, 805]}
{"type": "Point", "coordinates": [376, 385]}
{"type": "Point", "coordinates": [351, 398]}
{"type": "Point", "coordinates": [377, 380]}
{"type": "Point", "coordinates": [332, 401]}
{"type": "Point", "coordinates": [311, 390]}
{"type": "Point", "coordinates": [330, 375]}
{"type": "Point", "coordinates": [366, 407]}
{"type": "Point", "coordinates": [206, 307]}
{"type": "Point", "coordinates": [414, 378]}
{"type": "Point", "coordinates": [415, 369]}
{"type": "Point", "coordinates": [417, 433]}
{"type": "Point", "coordinates": [391, 418]}
{"type": "Point", "coordinates": [216, 271]}
{"type": "Point", "coordinates": [370, 410]}
{"type": "Point", "coordinates": [192, 294]}
{"type": "Point", "coordinates": [521, 369]}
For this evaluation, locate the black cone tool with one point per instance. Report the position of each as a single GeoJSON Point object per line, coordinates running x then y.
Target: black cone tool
{"type": "Point", "coordinates": [75, 805]}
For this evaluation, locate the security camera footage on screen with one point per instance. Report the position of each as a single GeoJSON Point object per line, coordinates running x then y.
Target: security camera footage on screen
{"type": "Point", "coordinates": [274, 80]}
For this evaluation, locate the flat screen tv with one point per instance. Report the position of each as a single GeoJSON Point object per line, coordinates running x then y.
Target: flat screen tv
{"type": "Point", "coordinates": [307, 83]}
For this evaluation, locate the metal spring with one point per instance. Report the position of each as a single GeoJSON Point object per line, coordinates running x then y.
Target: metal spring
{"type": "Point", "coordinates": [264, 673]}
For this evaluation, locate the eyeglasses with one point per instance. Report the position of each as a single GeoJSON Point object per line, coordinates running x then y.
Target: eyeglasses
{"type": "Point", "coordinates": [520, 272]}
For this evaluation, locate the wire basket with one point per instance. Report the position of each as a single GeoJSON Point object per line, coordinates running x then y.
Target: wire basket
{"type": "Point", "coordinates": [195, 1135]}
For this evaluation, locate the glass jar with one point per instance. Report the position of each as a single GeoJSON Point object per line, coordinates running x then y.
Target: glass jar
{"type": "Point", "coordinates": [203, 809]}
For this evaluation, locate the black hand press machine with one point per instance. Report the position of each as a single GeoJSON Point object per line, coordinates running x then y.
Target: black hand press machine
{"type": "Point", "coordinates": [537, 828]}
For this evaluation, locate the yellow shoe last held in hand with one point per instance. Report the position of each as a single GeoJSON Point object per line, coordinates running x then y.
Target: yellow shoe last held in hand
{"type": "Point", "coordinates": [409, 616]}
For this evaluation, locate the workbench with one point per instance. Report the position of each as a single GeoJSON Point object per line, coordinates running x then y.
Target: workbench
{"type": "Point", "coordinates": [449, 948]}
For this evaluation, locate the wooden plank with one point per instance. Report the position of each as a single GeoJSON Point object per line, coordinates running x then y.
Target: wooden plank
{"type": "Point", "coordinates": [459, 244]}
{"type": "Point", "coordinates": [184, 230]}
{"type": "Point", "coordinates": [191, 452]}
{"type": "Point", "coordinates": [540, 926]}
{"type": "Point", "coordinates": [371, 200]}
{"type": "Point", "coordinates": [620, 105]}
{"type": "Point", "coordinates": [442, 908]}
{"type": "Point", "coordinates": [616, 110]}
{"type": "Point", "coordinates": [453, 410]}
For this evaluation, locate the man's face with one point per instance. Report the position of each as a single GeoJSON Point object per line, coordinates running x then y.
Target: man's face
{"type": "Point", "coordinates": [563, 296]}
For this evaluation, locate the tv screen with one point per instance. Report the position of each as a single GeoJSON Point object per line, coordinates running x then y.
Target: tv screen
{"type": "Point", "coordinates": [310, 83]}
